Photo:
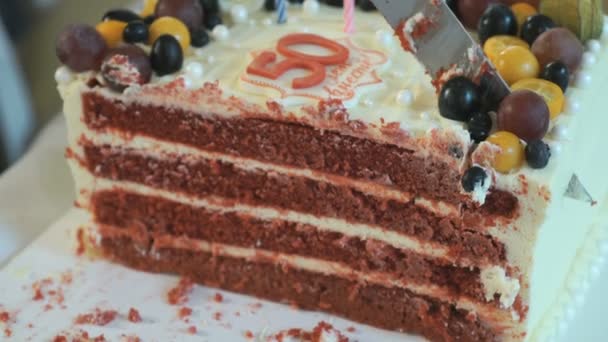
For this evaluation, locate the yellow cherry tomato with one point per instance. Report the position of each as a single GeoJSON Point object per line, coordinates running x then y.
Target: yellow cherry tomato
{"type": "Point", "coordinates": [111, 31]}
{"type": "Point", "coordinates": [172, 26]}
{"type": "Point", "coordinates": [522, 11]}
{"type": "Point", "coordinates": [497, 44]}
{"type": "Point", "coordinates": [149, 8]}
{"type": "Point", "coordinates": [516, 63]}
{"type": "Point", "coordinates": [549, 91]}
{"type": "Point", "coordinates": [511, 155]}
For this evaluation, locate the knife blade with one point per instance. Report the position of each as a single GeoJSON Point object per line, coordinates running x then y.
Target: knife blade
{"type": "Point", "coordinates": [437, 38]}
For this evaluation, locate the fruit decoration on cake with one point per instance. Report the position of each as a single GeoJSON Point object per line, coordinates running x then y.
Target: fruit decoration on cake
{"type": "Point", "coordinates": [537, 48]}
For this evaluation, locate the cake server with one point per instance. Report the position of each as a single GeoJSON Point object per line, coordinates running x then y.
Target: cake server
{"type": "Point", "coordinates": [439, 40]}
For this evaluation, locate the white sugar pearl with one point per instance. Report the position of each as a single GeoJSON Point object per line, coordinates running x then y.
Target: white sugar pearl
{"type": "Point", "coordinates": [573, 105]}
{"type": "Point", "coordinates": [425, 116]}
{"type": "Point", "coordinates": [384, 37]}
{"type": "Point", "coordinates": [368, 102]}
{"type": "Point", "coordinates": [561, 132]}
{"type": "Point", "coordinates": [194, 70]}
{"type": "Point", "coordinates": [220, 32]}
{"type": "Point", "coordinates": [556, 148]}
{"type": "Point", "coordinates": [594, 45]}
{"type": "Point", "coordinates": [239, 13]}
{"type": "Point", "coordinates": [405, 97]}
{"type": "Point", "coordinates": [589, 59]}
{"type": "Point", "coordinates": [583, 79]}
{"type": "Point", "coordinates": [188, 84]}
{"type": "Point", "coordinates": [267, 22]}
{"type": "Point", "coordinates": [310, 7]}
{"type": "Point", "coordinates": [63, 75]}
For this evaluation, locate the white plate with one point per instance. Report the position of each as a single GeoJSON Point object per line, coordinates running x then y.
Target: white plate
{"type": "Point", "coordinates": [99, 284]}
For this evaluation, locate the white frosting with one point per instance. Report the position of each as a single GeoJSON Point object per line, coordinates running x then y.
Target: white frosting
{"type": "Point", "coordinates": [495, 281]}
{"type": "Point", "coordinates": [239, 13]}
{"type": "Point", "coordinates": [63, 75]}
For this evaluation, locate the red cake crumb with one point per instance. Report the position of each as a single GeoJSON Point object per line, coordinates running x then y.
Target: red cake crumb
{"type": "Point", "coordinates": [249, 335]}
{"type": "Point", "coordinates": [80, 247]}
{"type": "Point", "coordinates": [217, 316]}
{"type": "Point", "coordinates": [130, 338]}
{"type": "Point", "coordinates": [60, 338]}
{"type": "Point", "coordinates": [351, 329]}
{"type": "Point", "coordinates": [4, 316]}
{"type": "Point", "coordinates": [184, 312]}
{"type": "Point", "coordinates": [218, 298]}
{"type": "Point", "coordinates": [310, 336]}
{"type": "Point", "coordinates": [78, 336]}
{"type": "Point", "coordinates": [99, 317]}
{"type": "Point", "coordinates": [324, 327]}
{"type": "Point", "coordinates": [134, 316]}
{"type": "Point", "coordinates": [192, 330]}
{"type": "Point", "coordinates": [8, 332]}
{"type": "Point", "coordinates": [179, 294]}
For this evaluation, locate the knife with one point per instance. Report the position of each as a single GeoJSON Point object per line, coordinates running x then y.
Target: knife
{"type": "Point", "coordinates": [440, 42]}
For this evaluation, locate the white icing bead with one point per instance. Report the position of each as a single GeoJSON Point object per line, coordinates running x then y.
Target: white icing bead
{"type": "Point", "coordinates": [267, 21]}
{"type": "Point", "coordinates": [200, 52]}
{"type": "Point", "coordinates": [194, 70]}
{"type": "Point", "coordinates": [594, 272]}
{"type": "Point", "coordinates": [589, 59]}
{"type": "Point", "coordinates": [569, 313]}
{"type": "Point", "coordinates": [579, 299]}
{"type": "Point", "coordinates": [583, 79]}
{"type": "Point", "coordinates": [384, 37]}
{"type": "Point", "coordinates": [63, 75]}
{"type": "Point", "coordinates": [405, 97]}
{"type": "Point", "coordinates": [594, 45]}
{"type": "Point", "coordinates": [368, 102]}
{"type": "Point", "coordinates": [239, 13]}
{"type": "Point", "coordinates": [211, 59]}
{"type": "Point", "coordinates": [561, 132]}
{"type": "Point", "coordinates": [556, 148]}
{"type": "Point", "coordinates": [572, 105]}
{"type": "Point", "coordinates": [188, 84]}
{"type": "Point", "coordinates": [425, 116]}
{"type": "Point", "coordinates": [220, 32]}
{"type": "Point", "coordinates": [310, 7]}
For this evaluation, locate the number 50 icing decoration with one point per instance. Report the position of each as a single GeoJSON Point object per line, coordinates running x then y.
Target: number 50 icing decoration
{"type": "Point", "coordinates": [262, 65]}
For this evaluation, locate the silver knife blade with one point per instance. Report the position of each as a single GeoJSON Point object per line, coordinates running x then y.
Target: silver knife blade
{"type": "Point", "coordinates": [441, 43]}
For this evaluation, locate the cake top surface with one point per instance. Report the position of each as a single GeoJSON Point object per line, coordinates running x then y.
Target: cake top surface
{"type": "Point", "coordinates": [253, 61]}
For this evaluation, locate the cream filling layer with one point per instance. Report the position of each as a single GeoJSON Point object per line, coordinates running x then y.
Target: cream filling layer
{"type": "Point", "coordinates": [162, 150]}
{"type": "Point", "coordinates": [487, 312]}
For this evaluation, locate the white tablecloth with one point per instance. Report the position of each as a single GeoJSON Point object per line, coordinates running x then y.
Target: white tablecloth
{"type": "Point", "coordinates": [38, 190]}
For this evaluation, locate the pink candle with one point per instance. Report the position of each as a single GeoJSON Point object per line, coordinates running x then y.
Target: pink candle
{"type": "Point", "coordinates": [349, 16]}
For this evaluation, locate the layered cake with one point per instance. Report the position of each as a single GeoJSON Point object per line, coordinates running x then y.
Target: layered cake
{"type": "Point", "coordinates": [281, 151]}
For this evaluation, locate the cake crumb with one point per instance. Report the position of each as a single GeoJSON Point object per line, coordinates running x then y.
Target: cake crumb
{"type": "Point", "coordinates": [192, 330]}
{"type": "Point", "coordinates": [217, 316]}
{"type": "Point", "coordinates": [134, 316]}
{"type": "Point", "coordinates": [249, 335]}
{"type": "Point", "coordinates": [351, 329]}
{"type": "Point", "coordinates": [80, 247]}
{"type": "Point", "coordinates": [99, 317]}
{"type": "Point", "coordinates": [218, 298]}
{"type": "Point", "coordinates": [8, 332]}
{"type": "Point", "coordinates": [179, 294]}
{"type": "Point", "coordinates": [184, 312]}
{"type": "Point", "coordinates": [130, 338]}
{"type": "Point", "coordinates": [4, 316]}
{"type": "Point", "coordinates": [323, 331]}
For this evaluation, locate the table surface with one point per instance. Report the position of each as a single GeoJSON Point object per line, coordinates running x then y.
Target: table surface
{"type": "Point", "coordinates": [38, 190]}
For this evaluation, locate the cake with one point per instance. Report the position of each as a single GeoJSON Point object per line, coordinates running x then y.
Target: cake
{"type": "Point", "coordinates": [302, 164]}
